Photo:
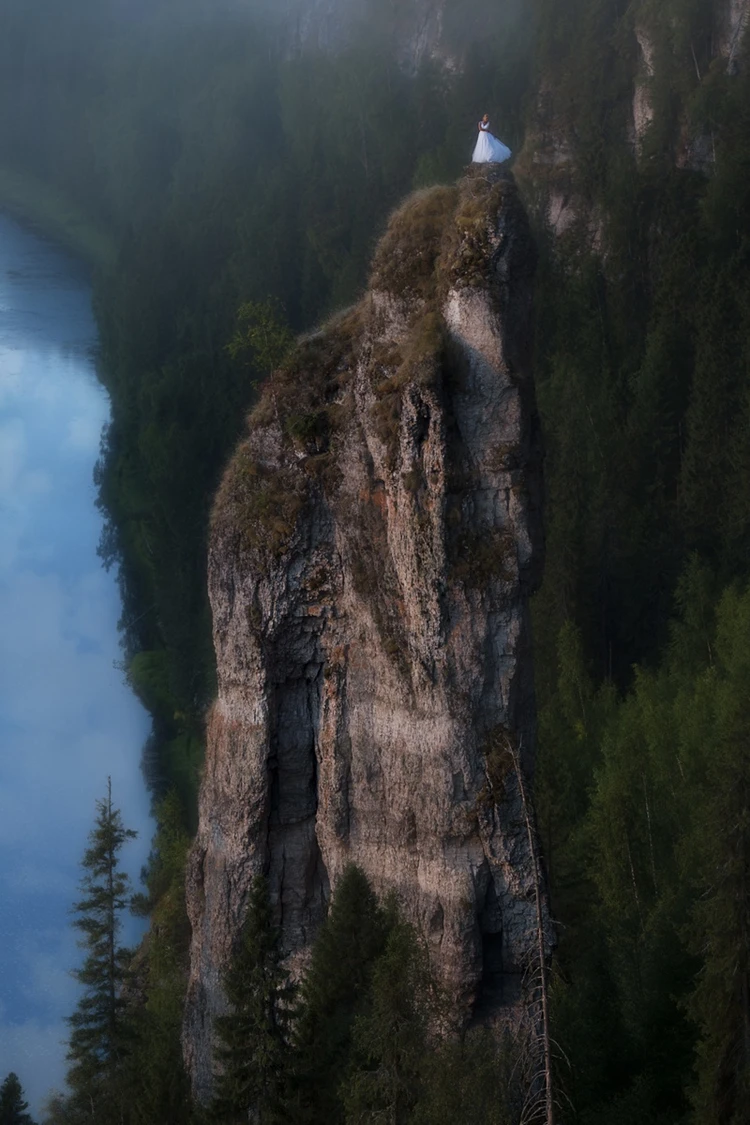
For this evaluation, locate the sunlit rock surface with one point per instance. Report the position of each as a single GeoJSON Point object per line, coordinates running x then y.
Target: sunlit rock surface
{"type": "Point", "coordinates": [374, 546]}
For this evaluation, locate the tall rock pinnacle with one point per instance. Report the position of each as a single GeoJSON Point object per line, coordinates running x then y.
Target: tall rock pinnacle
{"type": "Point", "coordinates": [374, 545]}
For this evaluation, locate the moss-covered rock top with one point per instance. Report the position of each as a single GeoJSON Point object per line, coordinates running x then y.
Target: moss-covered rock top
{"type": "Point", "coordinates": [439, 239]}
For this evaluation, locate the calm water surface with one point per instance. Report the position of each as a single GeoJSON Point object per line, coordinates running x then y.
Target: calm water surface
{"type": "Point", "coordinates": [67, 720]}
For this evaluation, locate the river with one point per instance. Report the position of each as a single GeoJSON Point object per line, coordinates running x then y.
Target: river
{"type": "Point", "coordinates": [67, 720]}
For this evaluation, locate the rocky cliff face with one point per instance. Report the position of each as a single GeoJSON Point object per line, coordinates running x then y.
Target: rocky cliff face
{"type": "Point", "coordinates": [374, 545]}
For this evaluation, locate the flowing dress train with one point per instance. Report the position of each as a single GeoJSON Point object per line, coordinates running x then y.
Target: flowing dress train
{"type": "Point", "coordinates": [488, 149]}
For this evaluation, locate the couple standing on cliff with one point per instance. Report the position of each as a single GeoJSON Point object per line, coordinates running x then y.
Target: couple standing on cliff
{"type": "Point", "coordinates": [488, 149]}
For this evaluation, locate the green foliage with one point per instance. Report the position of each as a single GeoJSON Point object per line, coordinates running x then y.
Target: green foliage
{"type": "Point", "coordinates": [148, 676]}
{"type": "Point", "coordinates": [661, 909]}
{"type": "Point", "coordinates": [100, 1037]}
{"type": "Point", "coordinates": [129, 1067]}
{"type": "Point", "coordinates": [334, 991]}
{"type": "Point", "coordinates": [156, 1079]}
{"type": "Point", "coordinates": [254, 1055]}
{"type": "Point", "coordinates": [390, 1038]}
{"type": "Point", "coordinates": [642, 387]}
{"type": "Point", "coordinates": [262, 339]}
{"type": "Point", "coordinates": [471, 1081]}
{"type": "Point", "coordinates": [34, 200]}
{"type": "Point", "coordinates": [12, 1105]}
{"type": "Point", "coordinates": [717, 852]}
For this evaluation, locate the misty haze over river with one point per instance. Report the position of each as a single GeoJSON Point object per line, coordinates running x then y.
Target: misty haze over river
{"type": "Point", "coordinates": [67, 719]}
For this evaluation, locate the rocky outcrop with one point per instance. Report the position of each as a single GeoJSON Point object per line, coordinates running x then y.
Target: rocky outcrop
{"type": "Point", "coordinates": [374, 545]}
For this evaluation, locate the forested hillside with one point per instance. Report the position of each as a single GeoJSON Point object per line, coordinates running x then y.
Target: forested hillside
{"type": "Point", "coordinates": [234, 169]}
{"type": "Point", "coordinates": [642, 366]}
{"type": "Point", "coordinates": [195, 140]}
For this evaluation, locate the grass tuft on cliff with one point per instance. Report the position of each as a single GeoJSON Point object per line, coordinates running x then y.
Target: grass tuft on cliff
{"type": "Point", "coordinates": [405, 260]}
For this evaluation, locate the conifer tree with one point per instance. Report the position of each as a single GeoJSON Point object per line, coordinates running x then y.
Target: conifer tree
{"type": "Point", "coordinates": [13, 1107]}
{"type": "Point", "coordinates": [59, 1110]}
{"type": "Point", "coordinates": [155, 1071]}
{"type": "Point", "coordinates": [333, 992]}
{"type": "Point", "coordinates": [475, 1080]}
{"type": "Point", "coordinates": [720, 857]}
{"type": "Point", "coordinates": [390, 1039]}
{"type": "Point", "coordinates": [254, 1053]}
{"type": "Point", "coordinates": [99, 1036]}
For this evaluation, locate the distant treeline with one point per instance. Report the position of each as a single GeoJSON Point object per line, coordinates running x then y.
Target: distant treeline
{"type": "Point", "coordinates": [232, 171]}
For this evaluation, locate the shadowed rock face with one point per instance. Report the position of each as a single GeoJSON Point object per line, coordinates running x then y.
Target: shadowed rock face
{"type": "Point", "coordinates": [374, 545]}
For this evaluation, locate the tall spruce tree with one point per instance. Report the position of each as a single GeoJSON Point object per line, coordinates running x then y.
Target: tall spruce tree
{"type": "Point", "coordinates": [254, 1052]}
{"type": "Point", "coordinates": [719, 859]}
{"type": "Point", "coordinates": [390, 1038]}
{"type": "Point", "coordinates": [13, 1107]}
{"type": "Point", "coordinates": [155, 1069]}
{"type": "Point", "coordinates": [334, 991]}
{"type": "Point", "coordinates": [475, 1080]}
{"type": "Point", "coordinates": [99, 1035]}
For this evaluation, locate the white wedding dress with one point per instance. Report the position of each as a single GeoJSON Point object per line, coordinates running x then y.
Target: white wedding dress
{"type": "Point", "coordinates": [488, 149]}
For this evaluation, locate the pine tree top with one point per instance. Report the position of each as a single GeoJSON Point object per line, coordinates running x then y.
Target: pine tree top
{"type": "Point", "coordinates": [13, 1106]}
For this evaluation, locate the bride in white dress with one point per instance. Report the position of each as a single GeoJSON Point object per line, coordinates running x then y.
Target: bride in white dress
{"type": "Point", "coordinates": [488, 149]}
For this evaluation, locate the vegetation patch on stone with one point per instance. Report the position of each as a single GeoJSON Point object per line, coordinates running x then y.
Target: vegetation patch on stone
{"type": "Point", "coordinates": [305, 396]}
{"type": "Point", "coordinates": [405, 260]}
{"type": "Point", "coordinates": [466, 258]}
{"type": "Point", "coordinates": [482, 557]}
{"type": "Point", "coordinates": [261, 503]}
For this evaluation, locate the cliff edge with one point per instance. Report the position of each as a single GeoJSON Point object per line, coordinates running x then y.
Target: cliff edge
{"type": "Point", "coordinates": [374, 545]}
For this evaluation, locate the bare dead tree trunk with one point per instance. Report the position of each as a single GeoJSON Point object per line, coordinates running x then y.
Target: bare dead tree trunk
{"type": "Point", "coordinates": [695, 60]}
{"type": "Point", "coordinates": [650, 834]}
{"type": "Point", "coordinates": [546, 1035]}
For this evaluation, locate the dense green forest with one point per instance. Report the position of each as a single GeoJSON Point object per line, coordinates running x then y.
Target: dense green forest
{"type": "Point", "coordinates": [197, 145]}
{"type": "Point", "coordinates": [354, 1041]}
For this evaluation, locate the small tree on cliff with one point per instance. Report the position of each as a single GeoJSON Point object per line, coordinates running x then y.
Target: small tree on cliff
{"type": "Point", "coordinates": [99, 1037]}
{"type": "Point", "coordinates": [262, 338]}
{"type": "Point", "coordinates": [12, 1104]}
{"type": "Point", "coordinates": [254, 1054]}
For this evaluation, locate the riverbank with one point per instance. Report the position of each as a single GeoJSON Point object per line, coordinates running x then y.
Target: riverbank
{"type": "Point", "coordinates": [42, 207]}
{"type": "Point", "coordinates": [61, 684]}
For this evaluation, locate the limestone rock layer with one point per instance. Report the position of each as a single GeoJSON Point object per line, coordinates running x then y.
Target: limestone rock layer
{"type": "Point", "coordinates": [374, 546]}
